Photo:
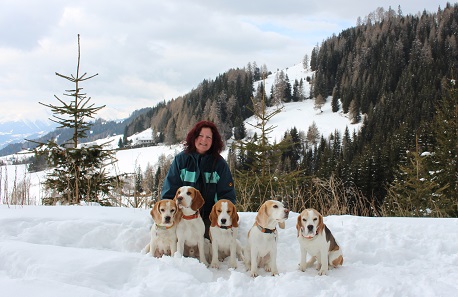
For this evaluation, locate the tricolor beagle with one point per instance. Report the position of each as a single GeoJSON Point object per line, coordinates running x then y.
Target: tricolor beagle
{"type": "Point", "coordinates": [316, 239]}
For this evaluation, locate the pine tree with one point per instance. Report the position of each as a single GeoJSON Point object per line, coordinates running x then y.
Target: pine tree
{"type": "Point", "coordinates": [444, 163]}
{"type": "Point", "coordinates": [261, 176]}
{"type": "Point", "coordinates": [414, 192]}
{"type": "Point", "coordinates": [79, 172]}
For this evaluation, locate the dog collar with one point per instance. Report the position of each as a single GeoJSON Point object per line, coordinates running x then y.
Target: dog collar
{"type": "Point", "coordinates": [162, 227]}
{"type": "Point", "coordinates": [191, 217]}
{"type": "Point", "coordinates": [265, 230]}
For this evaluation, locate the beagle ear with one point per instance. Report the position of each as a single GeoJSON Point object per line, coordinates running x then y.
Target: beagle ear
{"type": "Point", "coordinates": [155, 212]}
{"type": "Point", "coordinates": [235, 217]}
{"type": "Point", "coordinates": [176, 195]}
{"type": "Point", "coordinates": [320, 226]}
{"type": "Point", "coordinates": [213, 217]}
{"type": "Point", "coordinates": [197, 201]}
{"type": "Point", "coordinates": [299, 225]}
{"type": "Point", "coordinates": [263, 215]}
{"type": "Point", "coordinates": [178, 215]}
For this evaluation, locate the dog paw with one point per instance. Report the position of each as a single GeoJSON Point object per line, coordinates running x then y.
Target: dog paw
{"type": "Point", "coordinates": [253, 273]}
{"type": "Point", "coordinates": [302, 267]}
{"type": "Point", "coordinates": [215, 265]}
{"type": "Point", "coordinates": [322, 272]}
{"type": "Point", "coordinates": [205, 263]}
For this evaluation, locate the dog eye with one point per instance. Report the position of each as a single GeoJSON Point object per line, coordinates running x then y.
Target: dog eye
{"type": "Point", "coordinates": [172, 210]}
{"type": "Point", "coordinates": [275, 206]}
{"type": "Point", "coordinates": [218, 211]}
{"type": "Point", "coordinates": [162, 210]}
{"type": "Point", "coordinates": [188, 193]}
{"type": "Point", "coordinates": [229, 211]}
{"type": "Point", "coordinates": [315, 219]}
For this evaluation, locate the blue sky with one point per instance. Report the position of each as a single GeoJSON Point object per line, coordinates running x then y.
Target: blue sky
{"type": "Point", "coordinates": [146, 51]}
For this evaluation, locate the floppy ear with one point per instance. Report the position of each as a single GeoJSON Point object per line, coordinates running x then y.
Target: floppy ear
{"type": "Point", "coordinates": [299, 225]}
{"type": "Point", "coordinates": [263, 215]}
{"type": "Point", "coordinates": [176, 195]}
{"type": "Point", "coordinates": [213, 217]}
{"type": "Point", "coordinates": [198, 201]}
{"type": "Point", "coordinates": [235, 217]}
{"type": "Point", "coordinates": [178, 215]}
{"type": "Point", "coordinates": [320, 226]}
{"type": "Point", "coordinates": [155, 212]}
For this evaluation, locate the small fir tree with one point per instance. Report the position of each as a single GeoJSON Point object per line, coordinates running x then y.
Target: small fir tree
{"type": "Point", "coordinates": [79, 172]}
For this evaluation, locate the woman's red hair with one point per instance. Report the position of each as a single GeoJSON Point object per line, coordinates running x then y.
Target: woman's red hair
{"type": "Point", "coordinates": [217, 143]}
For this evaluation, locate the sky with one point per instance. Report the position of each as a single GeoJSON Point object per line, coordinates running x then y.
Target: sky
{"type": "Point", "coordinates": [148, 51]}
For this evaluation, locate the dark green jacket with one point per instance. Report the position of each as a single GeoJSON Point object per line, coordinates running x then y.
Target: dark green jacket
{"type": "Point", "coordinates": [210, 176]}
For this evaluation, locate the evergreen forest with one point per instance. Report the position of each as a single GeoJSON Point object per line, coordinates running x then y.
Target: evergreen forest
{"type": "Point", "coordinates": [391, 71]}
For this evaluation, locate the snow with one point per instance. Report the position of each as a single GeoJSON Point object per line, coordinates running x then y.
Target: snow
{"type": "Point", "coordinates": [96, 251]}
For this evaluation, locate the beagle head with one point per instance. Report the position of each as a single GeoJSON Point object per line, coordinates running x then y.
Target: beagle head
{"type": "Point", "coordinates": [309, 223]}
{"type": "Point", "coordinates": [224, 214]}
{"type": "Point", "coordinates": [189, 197]}
{"type": "Point", "coordinates": [272, 212]}
{"type": "Point", "coordinates": [165, 212]}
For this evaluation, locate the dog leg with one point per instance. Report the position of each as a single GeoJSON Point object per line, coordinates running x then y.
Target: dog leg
{"type": "Point", "coordinates": [232, 253]}
{"type": "Point", "coordinates": [254, 262]}
{"type": "Point", "coordinates": [247, 257]}
{"type": "Point", "coordinates": [323, 270]}
{"type": "Point", "coordinates": [201, 246]}
{"type": "Point", "coordinates": [273, 261]}
{"type": "Point", "coordinates": [173, 247]}
{"type": "Point", "coordinates": [180, 247]}
{"type": "Point", "coordinates": [303, 264]}
{"type": "Point", "coordinates": [215, 260]}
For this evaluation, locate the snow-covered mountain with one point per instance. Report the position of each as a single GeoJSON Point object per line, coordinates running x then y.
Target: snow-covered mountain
{"type": "Point", "coordinates": [17, 131]}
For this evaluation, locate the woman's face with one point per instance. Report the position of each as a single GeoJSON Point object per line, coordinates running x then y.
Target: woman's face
{"type": "Point", "coordinates": [203, 142]}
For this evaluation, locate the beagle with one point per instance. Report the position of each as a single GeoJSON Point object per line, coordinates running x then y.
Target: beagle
{"type": "Point", "coordinates": [261, 248]}
{"type": "Point", "coordinates": [316, 239]}
{"type": "Point", "coordinates": [191, 228]}
{"type": "Point", "coordinates": [224, 223]}
{"type": "Point", "coordinates": [166, 215]}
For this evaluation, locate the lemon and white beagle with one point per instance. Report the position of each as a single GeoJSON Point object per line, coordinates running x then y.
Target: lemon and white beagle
{"type": "Point", "coordinates": [261, 248]}
{"type": "Point", "coordinates": [316, 239]}
{"type": "Point", "coordinates": [163, 241]}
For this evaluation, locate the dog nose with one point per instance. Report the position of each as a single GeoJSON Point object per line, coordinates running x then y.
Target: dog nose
{"type": "Point", "coordinates": [167, 219]}
{"type": "Point", "coordinates": [286, 213]}
{"type": "Point", "coordinates": [179, 198]}
{"type": "Point", "coordinates": [223, 221]}
{"type": "Point", "coordinates": [310, 227]}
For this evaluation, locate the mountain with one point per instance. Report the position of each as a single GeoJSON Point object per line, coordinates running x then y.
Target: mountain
{"type": "Point", "coordinates": [17, 131]}
{"type": "Point", "coordinates": [99, 130]}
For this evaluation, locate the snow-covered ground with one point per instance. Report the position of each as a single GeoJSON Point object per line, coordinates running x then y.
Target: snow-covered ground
{"type": "Point", "coordinates": [89, 251]}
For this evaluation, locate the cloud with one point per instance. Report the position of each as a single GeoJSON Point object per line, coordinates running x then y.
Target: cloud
{"type": "Point", "coordinates": [148, 51]}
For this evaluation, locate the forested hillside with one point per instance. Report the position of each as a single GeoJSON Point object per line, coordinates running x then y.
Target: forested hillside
{"type": "Point", "coordinates": [391, 71]}
{"type": "Point", "coordinates": [397, 71]}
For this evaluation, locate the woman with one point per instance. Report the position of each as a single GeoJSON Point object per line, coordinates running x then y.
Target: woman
{"type": "Point", "coordinates": [200, 165]}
